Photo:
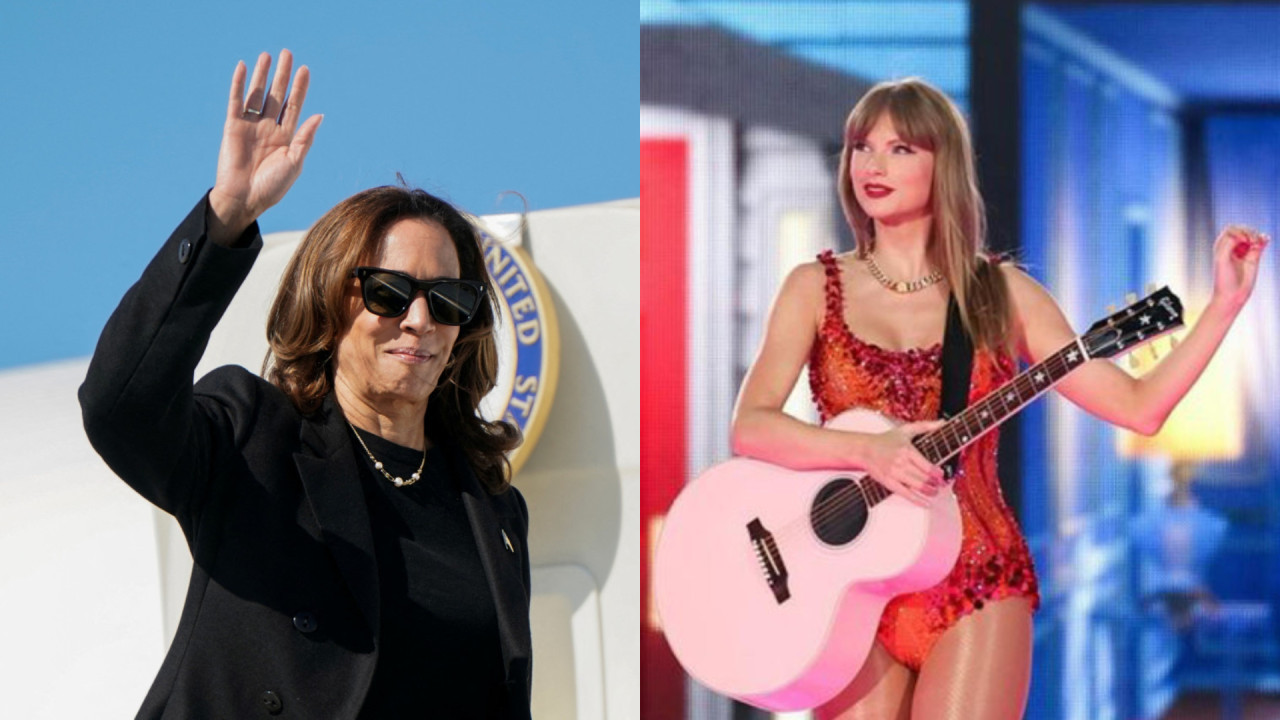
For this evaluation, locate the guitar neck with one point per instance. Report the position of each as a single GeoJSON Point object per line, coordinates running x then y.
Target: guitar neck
{"type": "Point", "coordinates": [999, 405]}
{"type": "Point", "coordinates": [1155, 315]}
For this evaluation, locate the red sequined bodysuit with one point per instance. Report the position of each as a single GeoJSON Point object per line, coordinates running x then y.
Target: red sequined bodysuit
{"type": "Point", "coordinates": [994, 561]}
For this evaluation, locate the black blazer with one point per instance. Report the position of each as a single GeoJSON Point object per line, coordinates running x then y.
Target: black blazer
{"type": "Point", "coordinates": [281, 615]}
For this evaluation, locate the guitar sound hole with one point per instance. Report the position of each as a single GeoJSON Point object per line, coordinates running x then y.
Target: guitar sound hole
{"type": "Point", "coordinates": [839, 512]}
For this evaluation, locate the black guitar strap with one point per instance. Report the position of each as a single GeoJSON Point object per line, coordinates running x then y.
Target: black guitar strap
{"type": "Point", "coordinates": [957, 367]}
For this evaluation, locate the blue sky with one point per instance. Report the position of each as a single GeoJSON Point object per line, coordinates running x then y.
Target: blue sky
{"type": "Point", "coordinates": [114, 114]}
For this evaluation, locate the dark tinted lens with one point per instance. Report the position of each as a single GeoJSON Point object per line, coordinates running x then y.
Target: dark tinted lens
{"type": "Point", "coordinates": [453, 303]}
{"type": "Point", "coordinates": [386, 294]}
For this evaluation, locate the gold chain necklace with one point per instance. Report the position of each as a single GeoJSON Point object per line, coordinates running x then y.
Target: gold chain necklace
{"type": "Point", "coordinates": [899, 286]}
{"type": "Point", "coordinates": [377, 464]}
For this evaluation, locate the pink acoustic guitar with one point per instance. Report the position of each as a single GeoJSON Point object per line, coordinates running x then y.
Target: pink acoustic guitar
{"type": "Point", "coordinates": [770, 582]}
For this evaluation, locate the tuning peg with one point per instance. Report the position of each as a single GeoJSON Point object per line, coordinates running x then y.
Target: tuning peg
{"type": "Point", "coordinates": [1173, 341]}
{"type": "Point", "coordinates": [1155, 354]}
{"type": "Point", "coordinates": [1111, 309]}
{"type": "Point", "coordinates": [1151, 287]}
{"type": "Point", "coordinates": [1133, 361]}
{"type": "Point", "coordinates": [1130, 298]}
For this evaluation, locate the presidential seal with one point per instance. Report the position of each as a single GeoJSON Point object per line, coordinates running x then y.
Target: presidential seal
{"type": "Point", "coordinates": [528, 344]}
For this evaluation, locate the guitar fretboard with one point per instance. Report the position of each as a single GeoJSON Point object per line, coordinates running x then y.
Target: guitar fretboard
{"type": "Point", "coordinates": [1143, 321]}
{"type": "Point", "coordinates": [993, 409]}
{"type": "Point", "coordinates": [999, 405]}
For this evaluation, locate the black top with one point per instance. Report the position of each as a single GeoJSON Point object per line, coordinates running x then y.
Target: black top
{"type": "Point", "coordinates": [282, 617]}
{"type": "Point", "coordinates": [439, 653]}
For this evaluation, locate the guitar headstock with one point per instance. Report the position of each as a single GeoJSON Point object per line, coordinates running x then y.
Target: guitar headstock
{"type": "Point", "coordinates": [1140, 322]}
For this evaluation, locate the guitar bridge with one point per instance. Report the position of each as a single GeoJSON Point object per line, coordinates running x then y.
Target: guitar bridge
{"type": "Point", "coordinates": [775, 571]}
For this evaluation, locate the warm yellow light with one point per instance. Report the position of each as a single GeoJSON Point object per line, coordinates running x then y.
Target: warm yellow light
{"type": "Point", "coordinates": [1209, 422]}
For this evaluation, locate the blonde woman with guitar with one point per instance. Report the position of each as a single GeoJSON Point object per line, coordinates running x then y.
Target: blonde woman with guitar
{"type": "Point", "coordinates": [869, 325]}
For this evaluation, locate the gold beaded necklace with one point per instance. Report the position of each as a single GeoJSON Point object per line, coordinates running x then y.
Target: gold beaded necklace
{"type": "Point", "coordinates": [900, 286]}
{"type": "Point", "coordinates": [377, 464]}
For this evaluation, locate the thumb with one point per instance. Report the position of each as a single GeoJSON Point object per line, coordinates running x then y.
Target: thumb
{"type": "Point", "coordinates": [302, 140]}
{"type": "Point", "coordinates": [924, 426]}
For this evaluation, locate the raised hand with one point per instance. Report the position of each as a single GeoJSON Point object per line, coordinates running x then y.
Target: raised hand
{"type": "Point", "coordinates": [262, 145]}
{"type": "Point", "coordinates": [1236, 254]}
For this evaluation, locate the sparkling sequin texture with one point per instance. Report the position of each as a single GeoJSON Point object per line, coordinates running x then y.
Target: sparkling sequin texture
{"type": "Point", "coordinates": [994, 562]}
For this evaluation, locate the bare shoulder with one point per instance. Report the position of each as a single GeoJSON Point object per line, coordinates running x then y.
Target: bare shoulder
{"type": "Point", "coordinates": [807, 278]}
{"type": "Point", "coordinates": [1024, 290]}
{"type": "Point", "coordinates": [800, 301]}
{"type": "Point", "coordinates": [804, 285]}
{"type": "Point", "coordinates": [1038, 320]}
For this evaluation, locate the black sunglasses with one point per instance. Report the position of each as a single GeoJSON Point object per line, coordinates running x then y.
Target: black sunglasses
{"type": "Point", "coordinates": [388, 293]}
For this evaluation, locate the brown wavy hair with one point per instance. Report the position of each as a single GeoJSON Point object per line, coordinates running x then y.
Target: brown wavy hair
{"type": "Point", "coordinates": [309, 314]}
{"type": "Point", "coordinates": [925, 117]}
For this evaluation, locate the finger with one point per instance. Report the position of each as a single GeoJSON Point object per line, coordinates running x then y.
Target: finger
{"type": "Point", "coordinates": [919, 498]}
{"type": "Point", "coordinates": [930, 471]}
{"type": "Point", "coordinates": [1231, 243]}
{"type": "Point", "coordinates": [258, 85]}
{"type": "Point", "coordinates": [917, 433]}
{"type": "Point", "coordinates": [1246, 242]}
{"type": "Point", "coordinates": [301, 143]}
{"type": "Point", "coordinates": [1250, 263]}
{"type": "Point", "coordinates": [279, 85]}
{"type": "Point", "coordinates": [235, 103]}
{"type": "Point", "coordinates": [1251, 251]}
{"type": "Point", "coordinates": [1232, 231]}
{"type": "Point", "coordinates": [922, 428]}
{"type": "Point", "coordinates": [1225, 240]}
{"type": "Point", "coordinates": [909, 492]}
{"type": "Point", "coordinates": [916, 480]}
{"type": "Point", "coordinates": [297, 96]}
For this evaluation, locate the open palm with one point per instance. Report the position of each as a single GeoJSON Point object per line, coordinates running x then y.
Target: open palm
{"type": "Point", "coordinates": [262, 146]}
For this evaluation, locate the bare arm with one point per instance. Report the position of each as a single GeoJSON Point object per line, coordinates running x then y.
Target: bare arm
{"type": "Point", "coordinates": [762, 430]}
{"type": "Point", "coordinates": [1108, 392]}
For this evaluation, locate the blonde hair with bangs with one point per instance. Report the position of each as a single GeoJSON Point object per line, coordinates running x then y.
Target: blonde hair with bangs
{"type": "Point", "coordinates": [925, 117]}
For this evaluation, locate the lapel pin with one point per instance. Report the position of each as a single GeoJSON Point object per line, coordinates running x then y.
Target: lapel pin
{"type": "Point", "coordinates": [506, 540]}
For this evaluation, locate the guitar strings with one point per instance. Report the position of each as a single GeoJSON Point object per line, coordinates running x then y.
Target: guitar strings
{"type": "Point", "coordinates": [844, 498]}
{"type": "Point", "coordinates": [841, 500]}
